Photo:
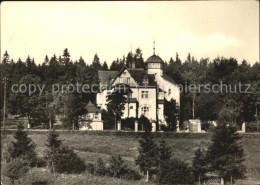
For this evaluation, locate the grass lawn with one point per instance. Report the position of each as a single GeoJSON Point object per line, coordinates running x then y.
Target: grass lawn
{"type": "Point", "coordinates": [92, 146]}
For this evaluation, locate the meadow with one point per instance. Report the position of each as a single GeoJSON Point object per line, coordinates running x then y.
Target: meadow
{"type": "Point", "coordinates": [92, 145]}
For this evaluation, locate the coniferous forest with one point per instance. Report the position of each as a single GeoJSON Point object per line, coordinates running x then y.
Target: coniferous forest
{"type": "Point", "coordinates": [41, 106]}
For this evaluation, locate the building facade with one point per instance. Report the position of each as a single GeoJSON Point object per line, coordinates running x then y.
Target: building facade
{"type": "Point", "coordinates": [148, 87]}
{"type": "Point", "coordinates": [92, 120]}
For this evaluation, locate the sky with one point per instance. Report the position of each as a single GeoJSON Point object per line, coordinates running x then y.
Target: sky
{"type": "Point", "coordinates": [111, 29]}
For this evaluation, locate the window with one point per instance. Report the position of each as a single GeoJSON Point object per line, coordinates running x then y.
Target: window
{"type": "Point", "coordinates": [131, 107]}
{"type": "Point", "coordinates": [120, 80]}
{"type": "Point", "coordinates": [169, 91]}
{"type": "Point", "coordinates": [96, 116]}
{"type": "Point", "coordinates": [145, 81]}
{"type": "Point", "coordinates": [145, 110]}
{"type": "Point", "coordinates": [144, 94]}
{"type": "Point", "coordinates": [128, 80]}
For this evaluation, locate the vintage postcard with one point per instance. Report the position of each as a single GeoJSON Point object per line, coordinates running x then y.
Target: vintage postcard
{"type": "Point", "coordinates": [128, 92]}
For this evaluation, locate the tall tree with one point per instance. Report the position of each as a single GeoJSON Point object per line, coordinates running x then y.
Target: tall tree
{"type": "Point", "coordinates": [105, 67]}
{"type": "Point", "coordinates": [171, 112]}
{"type": "Point", "coordinates": [147, 159]}
{"type": "Point", "coordinates": [6, 57]}
{"type": "Point", "coordinates": [199, 165]}
{"type": "Point", "coordinates": [116, 105]}
{"type": "Point", "coordinates": [138, 57]}
{"type": "Point", "coordinates": [164, 156]}
{"type": "Point", "coordinates": [23, 146]}
{"type": "Point", "coordinates": [225, 155]}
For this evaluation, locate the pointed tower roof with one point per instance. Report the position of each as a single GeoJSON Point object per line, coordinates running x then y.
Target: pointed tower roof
{"type": "Point", "coordinates": [92, 108]}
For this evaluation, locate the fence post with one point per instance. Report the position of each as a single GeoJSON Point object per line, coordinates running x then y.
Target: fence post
{"type": "Point", "coordinates": [136, 126]}
{"type": "Point", "coordinates": [222, 181]}
{"type": "Point", "coordinates": [231, 180]}
{"type": "Point", "coordinates": [118, 125]}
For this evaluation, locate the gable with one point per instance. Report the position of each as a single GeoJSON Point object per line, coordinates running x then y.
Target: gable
{"type": "Point", "coordinates": [125, 77]}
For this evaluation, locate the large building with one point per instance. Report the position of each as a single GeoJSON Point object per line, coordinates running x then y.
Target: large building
{"type": "Point", "coordinates": [147, 88]}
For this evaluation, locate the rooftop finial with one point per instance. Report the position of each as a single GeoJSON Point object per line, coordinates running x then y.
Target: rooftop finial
{"type": "Point", "coordinates": [153, 47]}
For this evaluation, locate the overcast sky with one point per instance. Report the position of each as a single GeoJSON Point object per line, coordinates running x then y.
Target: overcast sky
{"type": "Point", "coordinates": [203, 28]}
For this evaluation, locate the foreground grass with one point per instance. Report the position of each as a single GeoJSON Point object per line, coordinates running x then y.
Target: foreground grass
{"type": "Point", "coordinates": [92, 146]}
{"type": "Point", "coordinates": [40, 175]}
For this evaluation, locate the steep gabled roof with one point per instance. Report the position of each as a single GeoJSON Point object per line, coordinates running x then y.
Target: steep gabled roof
{"type": "Point", "coordinates": [166, 77]}
{"type": "Point", "coordinates": [106, 77]}
{"type": "Point", "coordinates": [139, 74]}
{"type": "Point", "coordinates": [92, 108]}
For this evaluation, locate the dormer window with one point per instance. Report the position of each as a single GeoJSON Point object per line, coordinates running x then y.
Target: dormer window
{"type": "Point", "coordinates": [145, 81]}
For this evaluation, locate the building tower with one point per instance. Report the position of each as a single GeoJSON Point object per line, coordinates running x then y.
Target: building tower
{"type": "Point", "coordinates": [154, 64]}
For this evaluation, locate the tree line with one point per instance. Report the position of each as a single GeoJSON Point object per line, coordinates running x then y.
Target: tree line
{"type": "Point", "coordinates": [62, 70]}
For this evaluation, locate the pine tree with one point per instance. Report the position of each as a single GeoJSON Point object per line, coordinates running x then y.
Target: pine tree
{"type": "Point", "coordinates": [105, 67]}
{"type": "Point", "coordinates": [164, 157]}
{"type": "Point", "coordinates": [177, 172]}
{"type": "Point", "coordinates": [5, 58]}
{"type": "Point", "coordinates": [226, 155]}
{"type": "Point", "coordinates": [16, 169]}
{"type": "Point", "coordinates": [60, 158]}
{"type": "Point", "coordinates": [23, 146]}
{"type": "Point", "coordinates": [148, 155]}
{"type": "Point", "coordinates": [66, 53]}
{"type": "Point", "coordinates": [165, 153]}
{"type": "Point", "coordinates": [199, 165]}
{"type": "Point", "coordinates": [46, 60]}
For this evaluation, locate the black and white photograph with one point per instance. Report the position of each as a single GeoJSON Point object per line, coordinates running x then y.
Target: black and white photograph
{"type": "Point", "coordinates": [130, 92]}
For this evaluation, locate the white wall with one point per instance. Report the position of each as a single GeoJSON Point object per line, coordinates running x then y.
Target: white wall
{"type": "Point", "coordinates": [166, 85]}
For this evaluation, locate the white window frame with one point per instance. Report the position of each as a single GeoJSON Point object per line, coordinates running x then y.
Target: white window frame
{"type": "Point", "coordinates": [121, 80]}
{"type": "Point", "coordinates": [145, 110]}
{"type": "Point", "coordinates": [128, 80]}
{"type": "Point", "coordinates": [144, 94]}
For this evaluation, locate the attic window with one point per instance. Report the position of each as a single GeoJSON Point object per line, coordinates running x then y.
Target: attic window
{"type": "Point", "coordinates": [128, 80]}
{"type": "Point", "coordinates": [145, 81]}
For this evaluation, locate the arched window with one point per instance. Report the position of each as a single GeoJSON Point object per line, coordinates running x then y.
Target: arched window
{"type": "Point", "coordinates": [145, 110]}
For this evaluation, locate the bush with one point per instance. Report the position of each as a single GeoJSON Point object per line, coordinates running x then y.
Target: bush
{"type": "Point", "coordinates": [131, 175]}
{"type": "Point", "coordinates": [164, 128]}
{"type": "Point", "coordinates": [109, 120]}
{"type": "Point", "coordinates": [40, 162]}
{"type": "Point", "coordinates": [100, 168]}
{"type": "Point", "coordinates": [144, 121]}
{"type": "Point", "coordinates": [175, 172]}
{"type": "Point", "coordinates": [66, 161]}
{"type": "Point", "coordinates": [115, 168]}
{"type": "Point", "coordinates": [90, 168]}
{"type": "Point", "coordinates": [16, 168]}
{"type": "Point", "coordinates": [128, 123]}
